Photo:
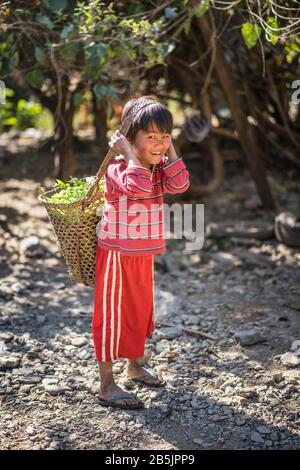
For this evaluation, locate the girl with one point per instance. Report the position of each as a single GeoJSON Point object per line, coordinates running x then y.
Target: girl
{"type": "Point", "coordinates": [131, 233]}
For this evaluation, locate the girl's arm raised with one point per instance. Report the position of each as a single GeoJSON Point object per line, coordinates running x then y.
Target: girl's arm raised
{"type": "Point", "coordinates": [175, 176]}
{"type": "Point", "coordinates": [132, 180]}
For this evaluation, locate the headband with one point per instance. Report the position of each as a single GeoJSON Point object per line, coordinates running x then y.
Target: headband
{"type": "Point", "coordinates": [137, 108]}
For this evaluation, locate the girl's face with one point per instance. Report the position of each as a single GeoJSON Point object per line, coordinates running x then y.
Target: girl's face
{"type": "Point", "coordinates": [151, 145]}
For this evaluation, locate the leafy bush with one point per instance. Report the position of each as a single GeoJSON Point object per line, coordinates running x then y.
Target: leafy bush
{"type": "Point", "coordinates": [26, 114]}
{"type": "Point", "coordinates": [22, 114]}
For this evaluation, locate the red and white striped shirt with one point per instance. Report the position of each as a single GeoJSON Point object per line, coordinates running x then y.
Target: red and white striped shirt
{"type": "Point", "coordinates": [133, 214]}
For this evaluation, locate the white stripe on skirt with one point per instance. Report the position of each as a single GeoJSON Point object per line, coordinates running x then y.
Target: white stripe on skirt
{"type": "Point", "coordinates": [112, 309]}
{"type": "Point", "coordinates": [119, 303]}
{"type": "Point", "coordinates": [104, 306]}
{"type": "Point", "coordinates": [154, 313]}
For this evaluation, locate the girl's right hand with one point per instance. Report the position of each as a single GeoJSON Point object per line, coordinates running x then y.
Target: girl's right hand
{"type": "Point", "coordinates": [120, 144]}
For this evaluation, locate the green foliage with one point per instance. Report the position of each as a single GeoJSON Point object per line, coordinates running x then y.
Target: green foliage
{"type": "Point", "coordinates": [101, 91]}
{"type": "Point", "coordinates": [197, 9]}
{"type": "Point", "coordinates": [35, 78]}
{"type": "Point", "coordinates": [201, 8]}
{"type": "Point", "coordinates": [68, 52]}
{"type": "Point", "coordinates": [44, 120]}
{"type": "Point", "coordinates": [92, 41]}
{"type": "Point", "coordinates": [272, 31]}
{"type": "Point", "coordinates": [27, 111]}
{"type": "Point", "coordinates": [170, 12]}
{"type": "Point", "coordinates": [251, 32]}
{"type": "Point", "coordinates": [7, 118]}
{"type": "Point", "coordinates": [55, 5]}
{"type": "Point", "coordinates": [14, 61]}
{"type": "Point", "coordinates": [41, 57]}
{"type": "Point", "coordinates": [74, 189]}
{"type": "Point", "coordinates": [45, 20]}
{"type": "Point", "coordinates": [103, 44]}
{"type": "Point", "coordinates": [23, 114]}
{"type": "Point", "coordinates": [292, 49]}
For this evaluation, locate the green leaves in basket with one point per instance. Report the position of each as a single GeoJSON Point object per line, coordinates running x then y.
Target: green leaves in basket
{"type": "Point", "coordinates": [74, 189]}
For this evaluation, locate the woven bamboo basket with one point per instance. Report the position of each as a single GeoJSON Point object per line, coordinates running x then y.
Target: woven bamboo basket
{"type": "Point", "coordinates": [75, 223]}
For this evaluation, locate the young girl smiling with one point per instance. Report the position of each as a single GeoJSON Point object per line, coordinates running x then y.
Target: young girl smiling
{"type": "Point", "coordinates": [145, 168]}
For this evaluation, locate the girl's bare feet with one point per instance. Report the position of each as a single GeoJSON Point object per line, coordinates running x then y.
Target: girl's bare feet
{"type": "Point", "coordinates": [110, 393]}
{"type": "Point", "coordinates": [140, 374]}
{"type": "Point", "coordinates": [116, 396]}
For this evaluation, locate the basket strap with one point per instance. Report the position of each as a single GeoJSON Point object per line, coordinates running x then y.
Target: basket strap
{"type": "Point", "coordinates": [110, 154]}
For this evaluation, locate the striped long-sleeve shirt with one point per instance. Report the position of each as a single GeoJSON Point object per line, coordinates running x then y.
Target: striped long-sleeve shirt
{"type": "Point", "coordinates": [133, 214]}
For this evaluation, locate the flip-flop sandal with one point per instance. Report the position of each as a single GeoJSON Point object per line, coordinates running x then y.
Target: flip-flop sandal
{"type": "Point", "coordinates": [146, 380]}
{"type": "Point", "coordinates": [114, 402]}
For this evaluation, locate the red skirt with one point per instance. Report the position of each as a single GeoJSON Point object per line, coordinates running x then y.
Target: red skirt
{"type": "Point", "coordinates": [124, 306]}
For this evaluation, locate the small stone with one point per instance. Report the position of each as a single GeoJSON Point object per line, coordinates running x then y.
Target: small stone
{"type": "Point", "coordinates": [32, 355]}
{"type": "Point", "coordinates": [3, 347]}
{"type": "Point", "coordinates": [198, 441]}
{"type": "Point", "coordinates": [218, 382]}
{"type": "Point", "coordinates": [30, 430]}
{"type": "Point", "coordinates": [56, 389]}
{"type": "Point", "coordinates": [289, 359]}
{"type": "Point", "coordinates": [140, 420]}
{"type": "Point", "coordinates": [164, 408]}
{"type": "Point", "coordinates": [249, 337]}
{"type": "Point", "coordinates": [170, 332]}
{"type": "Point", "coordinates": [295, 345]}
{"type": "Point", "coordinates": [30, 380]}
{"type": "Point", "coordinates": [162, 345]}
{"type": "Point", "coordinates": [6, 336]}
{"type": "Point", "coordinates": [18, 287]}
{"type": "Point", "coordinates": [40, 319]}
{"type": "Point", "coordinates": [263, 430]}
{"type": "Point", "coordinates": [123, 426]}
{"type": "Point", "coordinates": [9, 362]}
{"type": "Point", "coordinates": [239, 400]}
{"type": "Point", "coordinates": [215, 418]}
{"type": "Point", "coordinates": [277, 377]}
{"type": "Point", "coordinates": [31, 246]}
{"type": "Point", "coordinates": [22, 371]}
{"type": "Point", "coordinates": [256, 437]}
{"type": "Point", "coordinates": [54, 445]}
{"type": "Point", "coordinates": [195, 404]}
{"type": "Point", "coordinates": [202, 381]}
{"type": "Point", "coordinates": [79, 342]}
{"type": "Point", "coordinates": [240, 422]}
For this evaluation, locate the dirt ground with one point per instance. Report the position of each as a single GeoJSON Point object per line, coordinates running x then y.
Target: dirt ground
{"type": "Point", "coordinates": [226, 344]}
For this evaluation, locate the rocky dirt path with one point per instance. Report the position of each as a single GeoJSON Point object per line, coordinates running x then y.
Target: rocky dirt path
{"type": "Point", "coordinates": [227, 340]}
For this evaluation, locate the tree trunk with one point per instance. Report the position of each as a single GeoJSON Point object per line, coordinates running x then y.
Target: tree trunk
{"type": "Point", "coordinates": [64, 159]}
{"type": "Point", "coordinates": [246, 137]}
{"type": "Point", "coordinates": [100, 123]}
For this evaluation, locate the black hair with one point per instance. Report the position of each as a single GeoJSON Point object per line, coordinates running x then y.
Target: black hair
{"type": "Point", "coordinates": [155, 112]}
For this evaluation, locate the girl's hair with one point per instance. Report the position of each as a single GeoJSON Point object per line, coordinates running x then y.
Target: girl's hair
{"type": "Point", "coordinates": [153, 113]}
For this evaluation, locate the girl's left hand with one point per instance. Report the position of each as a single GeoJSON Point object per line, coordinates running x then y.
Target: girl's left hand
{"type": "Point", "coordinates": [171, 152]}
